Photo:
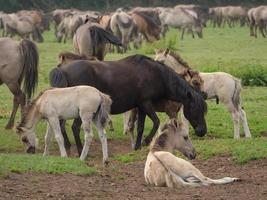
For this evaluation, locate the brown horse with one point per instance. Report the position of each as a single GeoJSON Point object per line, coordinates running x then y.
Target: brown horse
{"type": "Point", "coordinates": [135, 81]}
{"type": "Point", "coordinates": [146, 25]}
{"type": "Point", "coordinates": [171, 108]}
{"type": "Point", "coordinates": [18, 62]}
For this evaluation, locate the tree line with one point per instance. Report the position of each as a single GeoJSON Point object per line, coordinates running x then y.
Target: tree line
{"type": "Point", "coordinates": [108, 5]}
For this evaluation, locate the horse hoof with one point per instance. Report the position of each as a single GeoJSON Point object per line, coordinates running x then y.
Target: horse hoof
{"type": "Point", "coordinates": [105, 163]}
{"type": "Point", "coordinates": [9, 126]}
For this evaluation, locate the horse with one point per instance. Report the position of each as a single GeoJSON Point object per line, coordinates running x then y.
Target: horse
{"type": "Point", "coordinates": [81, 101]}
{"type": "Point", "coordinates": [19, 62]}
{"type": "Point", "coordinates": [21, 25]}
{"type": "Point", "coordinates": [258, 19]}
{"type": "Point", "coordinates": [163, 168]}
{"type": "Point", "coordinates": [122, 26]}
{"type": "Point", "coordinates": [90, 39]}
{"type": "Point", "coordinates": [202, 11]}
{"type": "Point", "coordinates": [146, 25]}
{"type": "Point", "coordinates": [220, 85]}
{"type": "Point", "coordinates": [68, 27]}
{"type": "Point", "coordinates": [171, 108]}
{"type": "Point", "coordinates": [182, 18]}
{"type": "Point", "coordinates": [134, 82]}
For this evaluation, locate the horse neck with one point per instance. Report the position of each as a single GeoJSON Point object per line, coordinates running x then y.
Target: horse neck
{"type": "Point", "coordinates": [176, 66]}
{"type": "Point", "coordinates": [177, 87]}
{"type": "Point", "coordinates": [32, 117]}
{"type": "Point", "coordinates": [162, 143]}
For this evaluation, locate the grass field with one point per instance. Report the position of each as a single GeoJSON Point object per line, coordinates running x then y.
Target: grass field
{"type": "Point", "coordinates": [230, 50]}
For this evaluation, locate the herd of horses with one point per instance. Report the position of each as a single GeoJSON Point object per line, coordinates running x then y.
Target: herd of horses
{"type": "Point", "coordinates": [88, 89]}
{"type": "Point", "coordinates": [136, 24]}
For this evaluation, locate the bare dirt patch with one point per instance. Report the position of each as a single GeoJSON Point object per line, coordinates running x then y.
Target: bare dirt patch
{"type": "Point", "coordinates": [126, 181]}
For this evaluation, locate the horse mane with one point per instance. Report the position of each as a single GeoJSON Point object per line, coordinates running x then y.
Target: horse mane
{"type": "Point", "coordinates": [177, 57]}
{"type": "Point", "coordinates": [28, 107]}
{"type": "Point", "coordinates": [159, 142]}
{"type": "Point", "coordinates": [178, 85]}
{"type": "Point", "coordinates": [73, 56]}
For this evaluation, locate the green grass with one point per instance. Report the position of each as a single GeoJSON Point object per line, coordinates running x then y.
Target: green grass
{"type": "Point", "coordinates": [230, 50]}
{"type": "Point", "coordinates": [53, 165]}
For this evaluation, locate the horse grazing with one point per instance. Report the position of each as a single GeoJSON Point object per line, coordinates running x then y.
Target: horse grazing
{"type": "Point", "coordinates": [18, 62]}
{"type": "Point", "coordinates": [90, 39]}
{"type": "Point", "coordinates": [220, 85]}
{"type": "Point", "coordinates": [66, 103]}
{"type": "Point", "coordinates": [162, 168]}
{"type": "Point", "coordinates": [171, 108]}
{"type": "Point", "coordinates": [134, 82]}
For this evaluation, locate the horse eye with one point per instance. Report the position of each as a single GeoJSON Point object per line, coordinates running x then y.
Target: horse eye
{"type": "Point", "coordinates": [185, 137]}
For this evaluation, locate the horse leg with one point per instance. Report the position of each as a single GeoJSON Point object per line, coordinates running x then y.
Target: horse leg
{"type": "Point", "coordinates": [65, 37]}
{"type": "Point", "coordinates": [76, 128]}
{"type": "Point", "coordinates": [110, 124]}
{"type": "Point", "coordinates": [19, 99]}
{"type": "Point", "coordinates": [140, 128]}
{"type": "Point", "coordinates": [55, 125]}
{"type": "Point", "coordinates": [65, 136]}
{"type": "Point", "coordinates": [235, 117]}
{"type": "Point", "coordinates": [149, 110]}
{"type": "Point", "coordinates": [103, 138]}
{"type": "Point", "coordinates": [48, 139]}
{"type": "Point", "coordinates": [129, 119]}
{"type": "Point", "coordinates": [88, 133]}
{"type": "Point", "coordinates": [244, 122]}
{"type": "Point", "coordinates": [182, 35]}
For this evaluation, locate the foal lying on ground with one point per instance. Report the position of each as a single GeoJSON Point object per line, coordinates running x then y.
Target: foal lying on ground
{"type": "Point", "coordinates": [165, 169]}
{"type": "Point", "coordinates": [66, 103]}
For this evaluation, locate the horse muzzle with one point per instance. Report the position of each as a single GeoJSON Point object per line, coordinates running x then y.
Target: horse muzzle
{"type": "Point", "coordinates": [31, 149]}
{"type": "Point", "coordinates": [201, 131]}
{"type": "Point", "coordinates": [192, 155]}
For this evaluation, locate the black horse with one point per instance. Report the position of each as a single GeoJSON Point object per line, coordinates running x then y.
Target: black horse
{"type": "Point", "coordinates": [136, 81]}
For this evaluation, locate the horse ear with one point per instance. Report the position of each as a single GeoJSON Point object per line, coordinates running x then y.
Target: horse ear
{"type": "Point", "coordinates": [174, 123]}
{"type": "Point", "coordinates": [157, 51]}
{"type": "Point", "coordinates": [166, 52]}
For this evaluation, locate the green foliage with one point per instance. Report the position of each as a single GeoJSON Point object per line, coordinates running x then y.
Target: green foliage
{"type": "Point", "coordinates": [242, 150]}
{"type": "Point", "coordinates": [132, 157]}
{"type": "Point", "coordinates": [37, 163]}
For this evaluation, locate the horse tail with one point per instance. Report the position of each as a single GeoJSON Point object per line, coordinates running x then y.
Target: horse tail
{"type": "Point", "coordinates": [102, 114]}
{"type": "Point", "coordinates": [30, 57]}
{"type": "Point", "coordinates": [100, 36]}
{"type": "Point", "coordinates": [236, 94]}
{"type": "Point", "coordinates": [57, 78]}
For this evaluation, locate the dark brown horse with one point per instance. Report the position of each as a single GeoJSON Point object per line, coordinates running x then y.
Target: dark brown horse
{"type": "Point", "coordinates": [134, 82]}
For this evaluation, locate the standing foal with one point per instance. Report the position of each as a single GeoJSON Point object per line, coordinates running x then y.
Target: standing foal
{"type": "Point", "coordinates": [66, 103]}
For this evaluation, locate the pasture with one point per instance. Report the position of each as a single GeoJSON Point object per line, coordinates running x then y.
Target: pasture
{"type": "Point", "coordinates": [218, 154]}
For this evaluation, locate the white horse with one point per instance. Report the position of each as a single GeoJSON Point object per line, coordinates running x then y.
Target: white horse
{"type": "Point", "coordinates": [66, 103]}
{"type": "Point", "coordinates": [162, 168]}
{"type": "Point", "coordinates": [181, 18]}
{"type": "Point", "coordinates": [220, 85]}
